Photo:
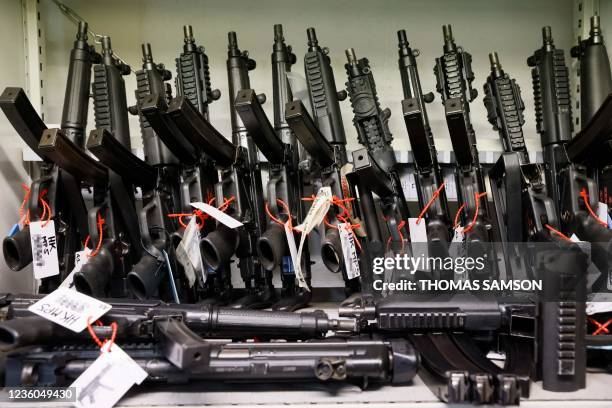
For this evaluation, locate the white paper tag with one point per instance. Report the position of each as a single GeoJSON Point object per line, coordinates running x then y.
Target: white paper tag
{"type": "Point", "coordinates": [574, 238]}
{"type": "Point", "coordinates": [80, 259]}
{"type": "Point", "coordinates": [316, 213]}
{"type": "Point", "coordinates": [188, 252]}
{"type": "Point", "coordinates": [602, 211]}
{"type": "Point", "coordinates": [598, 307]}
{"type": "Point", "coordinates": [218, 215]}
{"type": "Point", "coordinates": [70, 308]}
{"type": "Point", "coordinates": [458, 236]}
{"type": "Point", "coordinates": [297, 266]}
{"type": "Point", "coordinates": [107, 379]}
{"type": "Point", "coordinates": [44, 249]}
{"type": "Point", "coordinates": [418, 236]}
{"type": "Point", "coordinates": [349, 251]}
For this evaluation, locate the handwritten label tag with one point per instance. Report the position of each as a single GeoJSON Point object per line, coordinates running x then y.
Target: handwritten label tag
{"type": "Point", "coordinates": [218, 215]}
{"type": "Point", "coordinates": [44, 249]}
{"type": "Point", "coordinates": [297, 266]}
{"type": "Point", "coordinates": [80, 259]}
{"type": "Point", "coordinates": [107, 379]}
{"type": "Point", "coordinates": [349, 251]}
{"type": "Point", "coordinates": [70, 308]}
{"type": "Point", "coordinates": [188, 252]}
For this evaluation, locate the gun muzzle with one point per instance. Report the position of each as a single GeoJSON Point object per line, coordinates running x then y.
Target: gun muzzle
{"type": "Point", "coordinates": [219, 246]}
{"type": "Point", "coordinates": [95, 275]}
{"type": "Point", "coordinates": [146, 276]}
{"type": "Point", "coordinates": [331, 251]}
{"type": "Point", "coordinates": [17, 250]}
{"type": "Point", "coordinates": [272, 246]}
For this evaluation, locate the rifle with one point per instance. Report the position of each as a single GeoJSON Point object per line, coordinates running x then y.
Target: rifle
{"type": "Point", "coordinates": [242, 180]}
{"type": "Point", "coordinates": [351, 360]}
{"type": "Point", "coordinates": [518, 186]}
{"type": "Point", "coordinates": [591, 147]}
{"type": "Point", "coordinates": [374, 166]}
{"type": "Point", "coordinates": [323, 138]}
{"type": "Point", "coordinates": [429, 179]}
{"type": "Point", "coordinates": [279, 145]}
{"type": "Point", "coordinates": [569, 186]}
{"type": "Point", "coordinates": [52, 185]}
{"type": "Point", "coordinates": [454, 76]}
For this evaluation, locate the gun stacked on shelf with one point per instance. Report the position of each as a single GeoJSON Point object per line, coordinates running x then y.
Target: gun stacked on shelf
{"type": "Point", "coordinates": [159, 238]}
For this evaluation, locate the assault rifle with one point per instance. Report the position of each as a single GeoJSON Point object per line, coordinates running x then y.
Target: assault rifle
{"type": "Point", "coordinates": [53, 185]}
{"type": "Point", "coordinates": [351, 360]}
{"type": "Point", "coordinates": [454, 76]}
{"type": "Point", "coordinates": [374, 167]}
{"type": "Point", "coordinates": [428, 177]}
{"type": "Point", "coordinates": [323, 138]}
{"type": "Point", "coordinates": [157, 178]}
{"type": "Point", "coordinates": [279, 145]}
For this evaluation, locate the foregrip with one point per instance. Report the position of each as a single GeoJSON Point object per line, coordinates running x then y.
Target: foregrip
{"type": "Point", "coordinates": [76, 100]}
{"type": "Point", "coordinates": [324, 97]}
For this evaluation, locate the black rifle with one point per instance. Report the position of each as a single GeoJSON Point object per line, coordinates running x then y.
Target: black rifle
{"type": "Point", "coordinates": [110, 144]}
{"type": "Point", "coordinates": [575, 194]}
{"type": "Point", "coordinates": [524, 210]}
{"type": "Point", "coordinates": [140, 319]}
{"type": "Point", "coordinates": [323, 138]}
{"type": "Point", "coordinates": [279, 145]}
{"type": "Point", "coordinates": [241, 180]}
{"type": "Point", "coordinates": [375, 168]}
{"type": "Point", "coordinates": [429, 178]}
{"type": "Point", "coordinates": [352, 360]}
{"type": "Point", "coordinates": [454, 78]}
{"type": "Point", "coordinates": [61, 191]}
{"type": "Point", "coordinates": [592, 146]}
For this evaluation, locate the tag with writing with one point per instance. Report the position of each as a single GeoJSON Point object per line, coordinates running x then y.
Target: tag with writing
{"type": "Point", "coordinates": [188, 252]}
{"type": "Point", "coordinates": [107, 379]}
{"type": "Point", "coordinates": [218, 215]}
{"type": "Point", "coordinates": [70, 308]}
{"type": "Point", "coordinates": [44, 249]}
{"type": "Point", "coordinates": [349, 251]}
{"type": "Point", "coordinates": [297, 266]}
{"type": "Point", "coordinates": [602, 211]}
{"type": "Point", "coordinates": [80, 259]}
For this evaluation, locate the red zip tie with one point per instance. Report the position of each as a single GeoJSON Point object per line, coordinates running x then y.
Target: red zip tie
{"type": "Point", "coordinates": [601, 328]}
{"type": "Point", "coordinates": [399, 230]}
{"type": "Point", "coordinates": [202, 217]}
{"type": "Point", "coordinates": [555, 231]}
{"type": "Point", "coordinates": [99, 246]}
{"type": "Point", "coordinates": [277, 220]}
{"type": "Point", "coordinates": [95, 338]}
{"type": "Point", "coordinates": [433, 198]}
{"type": "Point", "coordinates": [23, 203]}
{"type": "Point", "coordinates": [585, 197]}
{"type": "Point", "coordinates": [46, 208]}
{"type": "Point", "coordinates": [477, 197]}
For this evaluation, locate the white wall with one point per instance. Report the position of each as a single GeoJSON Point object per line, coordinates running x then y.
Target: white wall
{"type": "Point", "coordinates": [513, 28]}
{"type": "Point", "coordinates": [12, 172]}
